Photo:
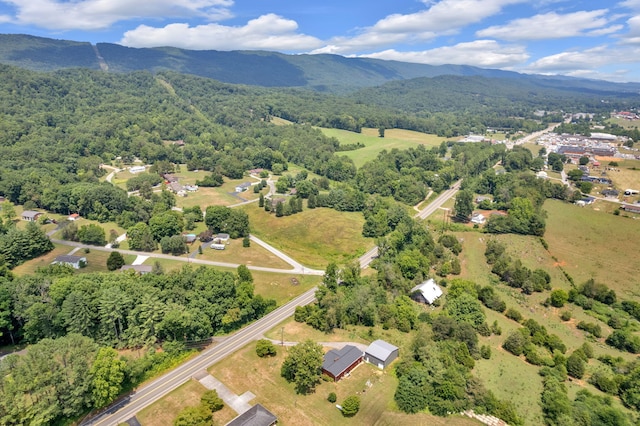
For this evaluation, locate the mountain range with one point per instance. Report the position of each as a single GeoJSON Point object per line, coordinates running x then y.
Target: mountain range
{"type": "Point", "coordinates": [323, 73]}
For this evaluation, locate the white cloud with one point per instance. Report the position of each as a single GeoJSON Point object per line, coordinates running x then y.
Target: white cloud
{"type": "Point", "coordinates": [631, 4]}
{"type": "Point", "coordinates": [440, 18]}
{"type": "Point", "coordinates": [100, 14]}
{"type": "Point", "coordinates": [588, 59]}
{"type": "Point", "coordinates": [480, 53]}
{"type": "Point", "coordinates": [548, 26]}
{"type": "Point", "coordinates": [268, 32]}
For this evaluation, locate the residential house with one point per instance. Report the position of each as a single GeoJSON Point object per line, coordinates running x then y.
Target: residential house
{"type": "Point", "coordinates": [139, 269]}
{"type": "Point", "coordinates": [221, 238]}
{"type": "Point", "coordinates": [137, 169]}
{"type": "Point", "coordinates": [478, 218]}
{"type": "Point", "coordinates": [339, 362]}
{"type": "Point", "coordinates": [380, 353]}
{"type": "Point", "coordinates": [217, 246]}
{"type": "Point", "coordinates": [73, 217]}
{"type": "Point", "coordinates": [631, 208]}
{"type": "Point", "coordinates": [610, 193]}
{"type": "Point", "coordinates": [76, 262]}
{"type": "Point", "coordinates": [243, 186]}
{"type": "Point", "coordinates": [255, 416]}
{"type": "Point", "coordinates": [189, 238]}
{"type": "Point", "coordinates": [426, 292]}
{"type": "Point", "coordinates": [481, 198]}
{"type": "Point", "coordinates": [31, 215]}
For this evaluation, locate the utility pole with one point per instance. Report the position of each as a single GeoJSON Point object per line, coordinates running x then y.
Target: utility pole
{"type": "Point", "coordinates": [282, 336]}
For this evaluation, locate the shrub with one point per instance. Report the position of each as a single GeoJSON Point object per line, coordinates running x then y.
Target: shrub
{"type": "Point", "coordinates": [485, 351]}
{"type": "Point", "coordinates": [351, 406]}
{"type": "Point", "coordinates": [558, 298]}
{"type": "Point", "coordinates": [591, 328]}
{"type": "Point", "coordinates": [212, 401]}
{"type": "Point", "coordinates": [264, 348]}
{"type": "Point", "coordinates": [513, 314]}
{"type": "Point", "coordinates": [576, 365]}
{"type": "Point", "coordinates": [332, 397]}
{"type": "Point", "coordinates": [565, 315]}
{"type": "Point", "coordinates": [515, 343]}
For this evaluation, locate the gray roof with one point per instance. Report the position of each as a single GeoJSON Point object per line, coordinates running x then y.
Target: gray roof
{"type": "Point", "coordinates": [254, 416]}
{"type": "Point", "coordinates": [337, 361]}
{"type": "Point", "coordinates": [67, 258]}
{"type": "Point", "coordinates": [137, 268]}
{"type": "Point", "coordinates": [380, 349]}
{"type": "Point", "coordinates": [30, 213]}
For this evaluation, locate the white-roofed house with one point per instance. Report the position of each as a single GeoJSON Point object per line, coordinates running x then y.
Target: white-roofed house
{"type": "Point", "coordinates": [427, 291]}
{"type": "Point", "coordinates": [380, 353]}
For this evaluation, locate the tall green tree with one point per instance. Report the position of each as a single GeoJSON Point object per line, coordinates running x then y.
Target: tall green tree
{"type": "Point", "coordinates": [303, 366]}
{"type": "Point", "coordinates": [107, 372]}
{"type": "Point", "coordinates": [463, 206]}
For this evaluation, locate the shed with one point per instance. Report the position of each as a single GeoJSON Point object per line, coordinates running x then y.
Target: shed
{"type": "Point", "coordinates": [255, 416]}
{"type": "Point", "coordinates": [339, 362]}
{"type": "Point", "coordinates": [427, 291]}
{"type": "Point", "coordinates": [217, 246]}
{"type": "Point", "coordinates": [76, 262]}
{"type": "Point", "coordinates": [31, 215]}
{"type": "Point", "coordinates": [478, 218]}
{"type": "Point", "coordinates": [243, 186]}
{"type": "Point", "coordinates": [222, 238]}
{"type": "Point", "coordinates": [380, 353]}
{"type": "Point", "coordinates": [73, 217]}
{"type": "Point", "coordinates": [140, 269]}
{"type": "Point", "coordinates": [137, 169]}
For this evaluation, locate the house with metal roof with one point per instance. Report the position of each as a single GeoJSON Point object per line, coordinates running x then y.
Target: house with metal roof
{"type": "Point", "coordinates": [339, 362]}
{"type": "Point", "coordinates": [380, 353]}
{"type": "Point", "coordinates": [76, 262]}
{"type": "Point", "coordinates": [31, 215]}
{"type": "Point", "coordinates": [139, 269]}
{"type": "Point", "coordinates": [427, 291]}
{"type": "Point", "coordinates": [255, 416]}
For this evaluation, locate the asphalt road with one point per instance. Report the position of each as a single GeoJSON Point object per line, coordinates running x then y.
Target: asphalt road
{"type": "Point", "coordinates": [439, 201]}
{"type": "Point", "coordinates": [155, 390]}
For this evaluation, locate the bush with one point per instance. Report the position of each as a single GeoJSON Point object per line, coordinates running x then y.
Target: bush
{"type": "Point", "coordinates": [565, 315]}
{"type": "Point", "coordinates": [591, 328]}
{"type": "Point", "coordinates": [558, 298]}
{"type": "Point", "coordinates": [576, 365]}
{"type": "Point", "coordinates": [212, 401]}
{"type": "Point", "coordinates": [265, 348]}
{"type": "Point", "coordinates": [513, 315]}
{"type": "Point", "coordinates": [485, 351]}
{"type": "Point", "coordinates": [115, 261]}
{"type": "Point", "coordinates": [332, 397]}
{"type": "Point", "coordinates": [515, 343]}
{"type": "Point", "coordinates": [351, 406]}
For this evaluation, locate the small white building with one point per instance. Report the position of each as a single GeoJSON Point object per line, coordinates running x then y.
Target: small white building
{"type": "Point", "coordinates": [478, 218]}
{"type": "Point", "coordinates": [137, 169]}
{"type": "Point", "coordinates": [243, 186]}
{"type": "Point", "coordinates": [426, 292]}
{"type": "Point", "coordinates": [217, 246]}
{"type": "Point", "coordinates": [76, 262]}
{"type": "Point", "coordinates": [380, 354]}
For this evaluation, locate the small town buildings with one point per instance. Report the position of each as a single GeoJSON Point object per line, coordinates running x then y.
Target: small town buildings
{"type": "Point", "coordinates": [610, 193]}
{"type": "Point", "coordinates": [76, 262]}
{"type": "Point", "coordinates": [217, 246]}
{"type": "Point", "coordinates": [380, 353]}
{"type": "Point", "coordinates": [221, 238]}
{"type": "Point", "coordinates": [137, 169]}
{"type": "Point", "coordinates": [139, 269]}
{"type": "Point", "coordinates": [243, 186]}
{"type": "Point", "coordinates": [31, 215]}
{"type": "Point", "coordinates": [339, 362]}
{"type": "Point", "coordinates": [481, 198]}
{"type": "Point", "coordinates": [255, 416]}
{"type": "Point", "coordinates": [426, 292]}
{"type": "Point", "coordinates": [189, 238]}
{"type": "Point", "coordinates": [73, 217]}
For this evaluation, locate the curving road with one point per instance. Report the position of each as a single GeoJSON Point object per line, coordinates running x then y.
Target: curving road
{"type": "Point", "coordinates": [148, 394]}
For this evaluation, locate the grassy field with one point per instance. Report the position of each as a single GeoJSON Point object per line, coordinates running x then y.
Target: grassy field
{"type": "Point", "coordinates": [282, 287]}
{"type": "Point", "coordinates": [313, 237]}
{"type": "Point", "coordinates": [627, 124]}
{"type": "Point", "coordinates": [165, 410]}
{"type": "Point", "coordinates": [244, 371]}
{"type": "Point", "coordinates": [589, 243]}
{"type": "Point", "coordinates": [373, 144]}
{"type": "Point", "coordinates": [626, 175]}
{"type": "Point", "coordinates": [235, 253]}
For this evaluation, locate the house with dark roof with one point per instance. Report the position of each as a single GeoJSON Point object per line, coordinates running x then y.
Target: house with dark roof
{"type": "Point", "coordinates": [631, 208]}
{"type": "Point", "coordinates": [31, 215]}
{"type": "Point", "coordinates": [139, 269]}
{"type": "Point", "coordinates": [339, 362]}
{"type": "Point", "coordinates": [76, 262]}
{"type": "Point", "coordinates": [255, 416]}
{"type": "Point", "coordinates": [243, 186]}
{"type": "Point", "coordinates": [380, 353]}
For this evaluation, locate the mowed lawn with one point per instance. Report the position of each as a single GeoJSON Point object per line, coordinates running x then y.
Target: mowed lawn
{"type": "Point", "coordinates": [313, 237]}
{"type": "Point", "coordinates": [589, 243]}
{"type": "Point", "coordinates": [625, 176]}
{"type": "Point", "coordinates": [373, 144]}
{"type": "Point", "coordinates": [245, 371]}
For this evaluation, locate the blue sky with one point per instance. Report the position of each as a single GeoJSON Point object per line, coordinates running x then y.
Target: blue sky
{"type": "Point", "coordinates": [581, 38]}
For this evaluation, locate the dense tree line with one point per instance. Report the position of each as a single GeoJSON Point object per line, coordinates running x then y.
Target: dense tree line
{"type": "Point", "coordinates": [17, 246]}
{"type": "Point", "coordinates": [125, 310]}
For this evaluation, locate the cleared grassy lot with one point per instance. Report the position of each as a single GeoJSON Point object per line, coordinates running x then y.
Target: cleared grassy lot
{"type": "Point", "coordinates": [235, 253]}
{"type": "Point", "coordinates": [589, 243]}
{"type": "Point", "coordinates": [373, 144]}
{"type": "Point", "coordinates": [313, 237]}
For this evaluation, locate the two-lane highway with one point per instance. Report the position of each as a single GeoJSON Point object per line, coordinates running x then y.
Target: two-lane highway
{"type": "Point", "coordinates": [155, 390]}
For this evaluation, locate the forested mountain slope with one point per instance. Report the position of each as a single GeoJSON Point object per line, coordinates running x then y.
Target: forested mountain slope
{"type": "Point", "coordinates": [324, 73]}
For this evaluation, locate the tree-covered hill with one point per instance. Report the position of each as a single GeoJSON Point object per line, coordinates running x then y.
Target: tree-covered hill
{"type": "Point", "coordinates": [323, 73]}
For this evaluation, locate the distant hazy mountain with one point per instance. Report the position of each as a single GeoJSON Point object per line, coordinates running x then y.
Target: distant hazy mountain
{"type": "Point", "coordinates": [327, 73]}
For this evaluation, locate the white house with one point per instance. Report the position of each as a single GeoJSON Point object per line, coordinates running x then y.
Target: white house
{"type": "Point", "coordinates": [217, 246]}
{"type": "Point", "coordinates": [137, 169]}
{"type": "Point", "coordinates": [243, 186]}
{"type": "Point", "coordinates": [427, 291]}
{"type": "Point", "coordinates": [76, 262]}
{"type": "Point", "coordinates": [478, 218]}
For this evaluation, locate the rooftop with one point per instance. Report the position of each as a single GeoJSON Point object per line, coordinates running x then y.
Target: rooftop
{"type": "Point", "coordinates": [338, 360]}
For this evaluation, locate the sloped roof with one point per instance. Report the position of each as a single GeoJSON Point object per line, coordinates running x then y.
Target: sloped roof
{"type": "Point", "coordinates": [380, 349]}
{"type": "Point", "coordinates": [429, 289]}
{"type": "Point", "coordinates": [67, 258]}
{"type": "Point", "coordinates": [254, 416]}
{"type": "Point", "coordinates": [30, 213]}
{"type": "Point", "coordinates": [336, 361]}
